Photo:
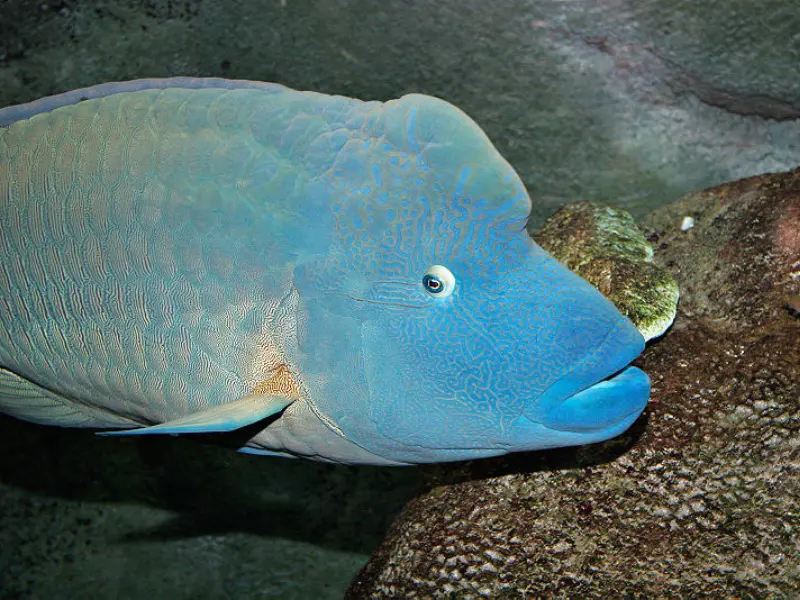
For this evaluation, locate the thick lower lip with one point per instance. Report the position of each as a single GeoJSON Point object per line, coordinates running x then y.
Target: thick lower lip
{"type": "Point", "coordinates": [602, 405]}
{"type": "Point", "coordinates": [600, 389]}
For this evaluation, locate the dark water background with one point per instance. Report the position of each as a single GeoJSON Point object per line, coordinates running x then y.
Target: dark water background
{"type": "Point", "coordinates": [630, 102]}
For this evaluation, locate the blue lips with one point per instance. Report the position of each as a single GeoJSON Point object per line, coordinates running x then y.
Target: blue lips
{"type": "Point", "coordinates": [603, 405]}
{"type": "Point", "coordinates": [597, 400]}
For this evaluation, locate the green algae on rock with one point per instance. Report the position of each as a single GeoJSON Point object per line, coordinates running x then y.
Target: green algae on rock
{"type": "Point", "coordinates": [604, 246]}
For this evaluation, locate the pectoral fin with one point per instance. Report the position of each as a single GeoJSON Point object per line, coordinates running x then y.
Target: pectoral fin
{"type": "Point", "coordinates": [218, 419]}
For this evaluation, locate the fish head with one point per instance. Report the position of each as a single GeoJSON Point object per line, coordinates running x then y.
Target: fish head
{"type": "Point", "coordinates": [435, 329]}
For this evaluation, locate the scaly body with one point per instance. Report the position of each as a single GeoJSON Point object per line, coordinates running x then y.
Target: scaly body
{"type": "Point", "coordinates": [205, 254]}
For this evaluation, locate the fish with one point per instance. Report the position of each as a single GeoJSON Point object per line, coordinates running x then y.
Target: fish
{"type": "Point", "coordinates": [306, 275]}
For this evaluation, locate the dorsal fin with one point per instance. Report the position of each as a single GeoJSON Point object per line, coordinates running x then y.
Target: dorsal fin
{"type": "Point", "coordinates": [11, 114]}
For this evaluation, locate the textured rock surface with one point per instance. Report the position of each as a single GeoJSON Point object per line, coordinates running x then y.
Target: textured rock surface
{"type": "Point", "coordinates": [701, 499]}
{"type": "Point", "coordinates": [604, 246]}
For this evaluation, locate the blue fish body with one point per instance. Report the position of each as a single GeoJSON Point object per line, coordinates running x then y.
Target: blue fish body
{"type": "Point", "coordinates": [201, 255]}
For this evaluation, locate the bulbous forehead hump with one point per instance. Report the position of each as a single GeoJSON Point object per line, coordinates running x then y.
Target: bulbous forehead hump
{"type": "Point", "coordinates": [466, 162]}
{"type": "Point", "coordinates": [418, 169]}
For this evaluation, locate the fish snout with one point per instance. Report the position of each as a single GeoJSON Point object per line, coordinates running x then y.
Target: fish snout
{"type": "Point", "coordinates": [597, 399]}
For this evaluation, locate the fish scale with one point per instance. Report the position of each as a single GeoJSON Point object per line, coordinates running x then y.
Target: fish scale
{"type": "Point", "coordinates": [128, 306]}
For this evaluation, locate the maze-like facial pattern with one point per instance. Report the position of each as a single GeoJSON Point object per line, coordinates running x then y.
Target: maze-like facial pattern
{"type": "Point", "coordinates": [425, 186]}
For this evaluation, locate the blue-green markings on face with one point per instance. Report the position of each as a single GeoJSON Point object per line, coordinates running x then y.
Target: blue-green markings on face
{"type": "Point", "coordinates": [198, 255]}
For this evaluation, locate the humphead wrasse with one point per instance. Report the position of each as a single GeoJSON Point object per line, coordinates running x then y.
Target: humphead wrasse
{"type": "Point", "coordinates": [349, 281]}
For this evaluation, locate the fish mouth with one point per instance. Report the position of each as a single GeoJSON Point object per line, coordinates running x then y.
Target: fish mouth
{"type": "Point", "coordinates": [602, 406]}
{"type": "Point", "coordinates": [601, 393]}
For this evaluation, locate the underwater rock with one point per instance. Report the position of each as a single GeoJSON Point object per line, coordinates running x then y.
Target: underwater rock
{"type": "Point", "coordinates": [700, 499]}
{"type": "Point", "coordinates": [604, 246]}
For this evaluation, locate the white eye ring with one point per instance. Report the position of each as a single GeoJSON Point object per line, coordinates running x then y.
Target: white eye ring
{"type": "Point", "coordinates": [438, 281]}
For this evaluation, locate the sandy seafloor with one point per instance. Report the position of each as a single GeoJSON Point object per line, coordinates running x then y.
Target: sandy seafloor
{"type": "Point", "coordinates": [631, 102]}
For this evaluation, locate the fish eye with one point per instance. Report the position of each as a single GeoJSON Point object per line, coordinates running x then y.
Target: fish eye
{"type": "Point", "coordinates": [439, 281]}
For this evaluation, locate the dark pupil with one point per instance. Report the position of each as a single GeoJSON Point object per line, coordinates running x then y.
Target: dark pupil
{"type": "Point", "coordinates": [433, 285]}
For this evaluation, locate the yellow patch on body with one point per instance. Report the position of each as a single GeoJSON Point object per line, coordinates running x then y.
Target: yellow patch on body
{"type": "Point", "coordinates": [280, 382]}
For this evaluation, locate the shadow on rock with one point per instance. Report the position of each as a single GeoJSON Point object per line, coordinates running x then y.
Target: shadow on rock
{"type": "Point", "coordinates": [210, 490]}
